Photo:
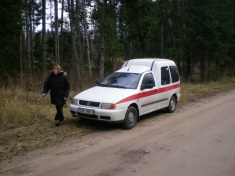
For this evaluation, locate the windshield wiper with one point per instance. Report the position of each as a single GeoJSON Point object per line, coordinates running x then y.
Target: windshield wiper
{"type": "Point", "coordinates": [118, 86]}
{"type": "Point", "coordinates": [103, 85]}
{"type": "Point", "coordinates": [110, 85]}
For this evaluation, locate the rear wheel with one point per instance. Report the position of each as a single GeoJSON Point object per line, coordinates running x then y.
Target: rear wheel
{"type": "Point", "coordinates": [130, 118]}
{"type": "Point", "coordinates": [172, 105]}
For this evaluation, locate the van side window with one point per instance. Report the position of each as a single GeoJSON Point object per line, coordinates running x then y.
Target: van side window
{"type": "Point", "coordinates": [165, 76]}
{"type": "Point", "coordinates": [148, 79]}
{"type": "Point", "coordinates": [174, 74]}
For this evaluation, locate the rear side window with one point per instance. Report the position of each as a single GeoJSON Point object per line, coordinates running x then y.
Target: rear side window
{"type": "Point", "coordinates": [165, 76]}
{"type": "Point", "coordinates": [174, 74]}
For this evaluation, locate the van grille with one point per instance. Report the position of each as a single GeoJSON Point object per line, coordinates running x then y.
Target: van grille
{"type": "Point", "coordinates": [89, 103]}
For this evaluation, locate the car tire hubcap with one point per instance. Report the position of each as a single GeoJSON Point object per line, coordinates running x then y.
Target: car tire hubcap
{"type": "Point", "coordinates": [172, 104]}
{"type": "Point", "coordinates": [131, 117]}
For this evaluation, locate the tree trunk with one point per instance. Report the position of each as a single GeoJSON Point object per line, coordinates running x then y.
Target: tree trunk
{"type": "Point", "coordinates": [62, 34]}
{"type": "Point", "coordinates": [187, 49]}
{"type": "Point", "coordinates": [74, 58]}
{"type": "Point", "coordinates": [32, 41]}
{"type": "Point", "coordinates": [57, 60]}
{"type": "Point", "coordinates": [203, 66]}
{"type": "Point", "coordinates": [162, 33]}
{"type": "Point", "coordinates": [28, 24]}
{"type": "Point", "coordinates": [102, 40]}
{"type": "Point", "coordinates": [79, 43]}
{"type": "Point", "coordinates": [86, 37]}
{"type": "Point", "coordinates": [44, 35]}
{"type": "Point", "coordinates": [162, 41]}
{"type": "Point", "coordinates": [21, 52]}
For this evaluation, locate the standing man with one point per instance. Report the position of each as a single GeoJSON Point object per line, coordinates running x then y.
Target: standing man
{"type": "Point", "coordinates": [59, 87]}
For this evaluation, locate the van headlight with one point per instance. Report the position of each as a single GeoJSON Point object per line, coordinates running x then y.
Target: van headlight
{"type": "Point", "coordinates": [74, 101]}
{"type": "Point", "coordinates": [108, 106]}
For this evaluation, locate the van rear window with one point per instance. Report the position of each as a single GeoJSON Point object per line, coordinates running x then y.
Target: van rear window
{"type": "Point", "coordinates": [165, 76]}
{"type": "Point", "coordinates": [174, 74]}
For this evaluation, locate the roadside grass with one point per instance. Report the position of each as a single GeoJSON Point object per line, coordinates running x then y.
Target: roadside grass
{"type": "Point", "coordinates": [27, 120]}
{"type": "Point", "coordinates": [194, 91]}
{"type": "Point", "coordinates": [27, 123]}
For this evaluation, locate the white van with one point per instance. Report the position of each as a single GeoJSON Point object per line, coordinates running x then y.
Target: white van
{"type": "Point", "coordinates": [139, 87]}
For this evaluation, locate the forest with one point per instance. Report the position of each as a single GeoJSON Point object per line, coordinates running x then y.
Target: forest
{"type": "Point", "coordinates": [92, 38]}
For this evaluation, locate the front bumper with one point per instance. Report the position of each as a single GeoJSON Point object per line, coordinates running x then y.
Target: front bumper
{"type": "Point", "coordinates": [107, 115]}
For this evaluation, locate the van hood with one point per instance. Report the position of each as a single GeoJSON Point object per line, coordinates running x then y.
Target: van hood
{"type": "Point", "coordinates": [104, 94]}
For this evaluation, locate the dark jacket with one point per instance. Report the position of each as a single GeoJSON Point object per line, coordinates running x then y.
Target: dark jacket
{"type": "Point", "coordinates": [59, 87]}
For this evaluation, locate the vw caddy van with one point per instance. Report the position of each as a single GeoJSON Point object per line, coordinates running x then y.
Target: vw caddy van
{"type": "Point", "coordinates": [141, 86]}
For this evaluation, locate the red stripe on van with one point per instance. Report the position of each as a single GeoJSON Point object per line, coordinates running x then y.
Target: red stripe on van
{"type": "Point", "coordinates": [148, 93]}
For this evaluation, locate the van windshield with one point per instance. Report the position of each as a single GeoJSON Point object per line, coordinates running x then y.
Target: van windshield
{"type": "Point", "coordinates": [122, 80]}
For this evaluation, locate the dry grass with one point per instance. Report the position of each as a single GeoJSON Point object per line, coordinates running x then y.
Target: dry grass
{"type": "Point", "coordinates": [26, 119]}
{"type": "Point", "coordinates": [194, 91]}
{"type": "Point", "coordinates": [27, 123]}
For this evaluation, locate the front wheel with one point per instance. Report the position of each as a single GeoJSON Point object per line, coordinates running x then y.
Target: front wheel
{"type": "Point", "coordinates": [130, 118]}
{"type": "Point", "coordinates": [172, 105]}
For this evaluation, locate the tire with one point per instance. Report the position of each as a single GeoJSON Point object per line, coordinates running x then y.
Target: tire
{"type": "Point", "coordinates": [172, 105]}
{"type": "Point", "coordinates": [130, 118]}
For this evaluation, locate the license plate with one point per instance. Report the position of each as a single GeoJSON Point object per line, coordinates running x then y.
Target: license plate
{"type": "Point", "coordinates": [86, 111]}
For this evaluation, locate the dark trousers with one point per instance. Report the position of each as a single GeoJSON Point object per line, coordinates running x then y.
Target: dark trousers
{"type": "Point", "coordinates": [59, 114]}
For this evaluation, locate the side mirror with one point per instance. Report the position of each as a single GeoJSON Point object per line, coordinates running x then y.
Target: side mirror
{"type": "Point", "coordinates": [146, 86]}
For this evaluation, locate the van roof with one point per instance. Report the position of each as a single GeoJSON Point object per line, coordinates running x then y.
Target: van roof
{"type": "Point", "coordinates": [134, 69]}
{"type": "Point", "coordinates": [148, 62]}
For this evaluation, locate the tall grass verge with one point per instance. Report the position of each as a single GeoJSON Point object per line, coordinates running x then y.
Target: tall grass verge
{"type": "Point", "coordinates": [19, 108]}
{"type": "Point", "coordinates": [194, 91]}
{"type": "Point", "coordinates": [27, 122]}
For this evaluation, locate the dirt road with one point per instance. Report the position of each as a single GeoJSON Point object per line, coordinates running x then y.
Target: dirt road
{"type": "Point", "coordinates": [197, 140]}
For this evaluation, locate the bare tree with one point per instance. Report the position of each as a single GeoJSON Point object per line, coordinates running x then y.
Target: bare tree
{"type": "Point", "coordinates": [79, 37]}
{"type": "Point", "coordinates": [86, 37]}
{"type": "Point", "coordinates": [102, 40]}
{"type": "Point", "coordinates": [57, 59]}
{"type": "Point", "coordinates": [188, 60]}
{"type": "Point", "coordinates": [62, 32]}
{"type": "Point", "coordinates": [74, 58]}
{"type": "Point", "coordinates": [44, 34]}
{"type": "Point", "coordinates": [21, 53]}
{"type": "Point", "coordinates": [29, 43]}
